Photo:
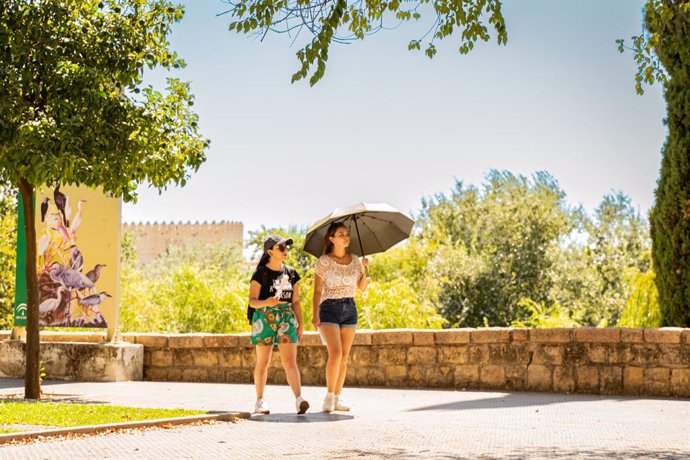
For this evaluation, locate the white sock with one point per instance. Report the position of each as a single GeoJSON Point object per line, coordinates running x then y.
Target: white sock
{"type": "Point", "coordinates": [330, 395]}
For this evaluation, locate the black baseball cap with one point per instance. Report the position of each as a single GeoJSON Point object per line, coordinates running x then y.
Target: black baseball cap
{"type": "Point", "coordinates": [272, 240]}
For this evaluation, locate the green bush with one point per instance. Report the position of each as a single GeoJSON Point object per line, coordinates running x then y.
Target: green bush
{"type": "Point", "coordinates": [642, 304]}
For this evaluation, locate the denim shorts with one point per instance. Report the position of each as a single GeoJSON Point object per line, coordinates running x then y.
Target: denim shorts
{"type": "Point", "coordinates": [338, 312]}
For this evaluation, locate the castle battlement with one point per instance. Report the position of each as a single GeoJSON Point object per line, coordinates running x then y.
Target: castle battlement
{"type": "Point", "coordinates": [154, 238]}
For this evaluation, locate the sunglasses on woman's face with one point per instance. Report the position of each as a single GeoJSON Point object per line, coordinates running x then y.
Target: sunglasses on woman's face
{"type": "Point", "coordinates": [282, 247]}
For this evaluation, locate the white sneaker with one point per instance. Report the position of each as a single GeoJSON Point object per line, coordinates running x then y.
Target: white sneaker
{"type": "Point", "coordinates": [261, 407]}
{"type": "Point", "coordinates": [341, 405]}
{"type": "Point", "coordinates": [329, 403]}
{"type": "Point", "coordinates": [301, 404]}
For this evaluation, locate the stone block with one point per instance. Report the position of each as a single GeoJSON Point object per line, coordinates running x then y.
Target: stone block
{"type": "Point", "coordinates": [448, 354]}
{"type": "Point", "coordinates": [610, 380]}
{"type": "Point", "coordinates": [423, 338]}
{"type": "Point", "coordinates": [539, 378]}
{"type": "Point", "coordinates": [554, 335]}
{"type": "Point", "coordinates": [587, 379]}
{"type": "Point", "coordinates": [363, 338]}
{"type": "Point", "coordinates": [155, 374]}
{"type": "Point", "coordinates": [278, 377]}
{"type": "Point", "coordinates": [548, 355]}
{"type": "Point", "coordinates": [422, 355]}
{"type": "Point", "coordinates": [516, 377]}
{"type": "Point", "coordinates": [206, 358]}
{"type": "Point", "coordinates": [663, 335]}
{"type": "Point", "coordinates": [244, 340]}
{"type": "Point", "coordinates": [440, 377]}
{"type": "Point", "coordinates": [632, 335]}
{"type": "Point", "coordinates": [417, 375]}
{"type": "Point", "coordinates": [657, 381]}
{"type": "Point", "coordinates": [220, 341]}
{"type": "Point", "coordinates": [575, 353]}
{"type": "Point", "coordinates": [685, 335]}
{"type": "Point", "coordinates": [391, 356]}
{"type": "Point", "coordinates": [597, 335]}
{"type": "Point", "coordinates": [672, 356]}
{"type": "Point", "coordinates": [391, 337]}
{"type": "Point", "coordinates": [490, 335]}
{"type": "Point", "coordinates": [503, 353]}
{"type": "Point", "coordinates": [312, 339]}
{"type": "Point", "coordinates": [239, 375]}
{"type": "Point", "coordinates": [248, 356]}
{"type": "Point", "coordinates": [450, 336]}
{"type": "Point", "coordinates": [230, 358]}
{"type": "Point", "coordinates": [186, 341]}
{"type": "Point", "coordinates": [492, 376]}
{"type": "Point", "coordinates": [597, 354]}
{"type": "Point", "coordinates": [351, 377]}
{"type": "Point", "coordinates": [364, 355]}
{"type": "Point", "coordinates": [396, 376]}
{"type": "Point", "coordinates": [162, 358]}
{"type": "Point", "coordinates": [147, 357]}
{"type": "Point", "coordinates": [633, 380]}
{"type": "Point", "coordinates": [477, 354]}
{"type": "Point", "coordinates": [466, 376]}
{"type": "Point", "coordinates": [374, 376]}
{"type": "Point", "coordinates": [680, 382]}
{"type": "Point", "coordinates": [152, 340]}
{"type": "Point", "coordinates": [183, 357]}
{"type": "Point", "coordinates": [563, 379]}
{"type": "Point", "coordinates": [216, 375]}
{"type": "Point", "coordinates": [195, 375]}
{"type": "Point", "coordinates": [519, 335]}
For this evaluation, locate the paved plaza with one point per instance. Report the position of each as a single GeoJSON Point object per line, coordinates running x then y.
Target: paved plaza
{"type": "Point", "coordinates": [384, 423]}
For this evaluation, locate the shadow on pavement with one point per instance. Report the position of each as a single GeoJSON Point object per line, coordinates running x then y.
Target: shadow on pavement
{"type": "Point", "coordinates": [529, 452]}
{"type": "Point", "coordinates": [316, 417]}
{"type": "Point", "coordinates": [521, 400]}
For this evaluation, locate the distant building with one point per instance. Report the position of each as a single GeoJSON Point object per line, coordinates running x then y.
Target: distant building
{"type": "Point", "coordinates": [155, 238]}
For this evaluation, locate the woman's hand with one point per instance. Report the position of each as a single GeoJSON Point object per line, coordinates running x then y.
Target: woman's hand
{"type": "Point", "coordinates": [300, 331]}
{"type": "Point", "coordinates": [272, 301]}
{"type": "Point", "coordinates": [315, 321]}
{"type": "Point", "coordinates": [365, 263]}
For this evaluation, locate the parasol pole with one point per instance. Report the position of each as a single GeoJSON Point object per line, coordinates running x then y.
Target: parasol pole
{"type": "Point", "coordinates": [354, 217]}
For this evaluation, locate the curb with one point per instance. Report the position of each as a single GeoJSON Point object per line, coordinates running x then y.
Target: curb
{"type": "Point", "coordinates": [90, 429]}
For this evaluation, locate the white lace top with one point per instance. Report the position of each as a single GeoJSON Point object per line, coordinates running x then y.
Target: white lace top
{"type": "Point", "coordinates": [339, 281]}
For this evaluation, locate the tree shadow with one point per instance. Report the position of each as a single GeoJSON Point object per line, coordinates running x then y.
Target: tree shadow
{"type": "Point", "coordinates": [526, 400]}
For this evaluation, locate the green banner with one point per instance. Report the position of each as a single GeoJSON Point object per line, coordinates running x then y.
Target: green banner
{"type": "Point", "coordinates": [20, 295]}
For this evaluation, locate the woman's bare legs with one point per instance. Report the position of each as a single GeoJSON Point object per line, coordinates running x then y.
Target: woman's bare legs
{"type": "Point", "coordinates": [288, 356]}
{"type": "Point", "coordinates": [347, 336]}
{"type": "Point", "coordinates": [335, 353]}
{"type": "Point", "coordinates": [263, 358]}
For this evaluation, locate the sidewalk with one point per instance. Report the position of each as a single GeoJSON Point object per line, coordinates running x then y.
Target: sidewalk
{"type": "Point", "coordinates": [384, 423]}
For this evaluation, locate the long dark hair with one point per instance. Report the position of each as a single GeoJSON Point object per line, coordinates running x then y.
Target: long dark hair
{"type": "Point", "coordinates": [327, 244]}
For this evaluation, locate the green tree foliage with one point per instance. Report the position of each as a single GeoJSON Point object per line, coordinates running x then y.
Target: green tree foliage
{"type": "Point", "coordinates": [201, 289]}
{"type": "Point", "coordinates": [668, 23]}
{"type": "Point", "coordinates": [642, 304]}
{"type": "Point", "coordinates": [73, 108]}
{"type": "Point", "coordinates": [8, 244]}
{"type": "Point", "coordinates": [495, 245]}
{"type": "Point", "coordinates": [543, 316]}
{"type": "Point", "coordinates": [344, 21]}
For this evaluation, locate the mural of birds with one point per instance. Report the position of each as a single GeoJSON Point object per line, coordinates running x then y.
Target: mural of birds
{"type": "Point", "coordinates": [49, 305]}
{"type": "Point", "coordinates": [43, 243]}
{"type": "Point", "coordinates": [60, 201]}
{"type": "Point", "coordinates": [94, 274]}
{"type": "Point", "coordinates": [62, 230]}
{"type": "Point", "coordinates": [76, 221]}
{"type": "Point", "coordinates": [44, 208]}
{"type": "Point", "coordinates": [93, 300]}
{"type": "Point", "coordinates": [76, 261]}
{"type": "Point", "coordinates": [73, 280]}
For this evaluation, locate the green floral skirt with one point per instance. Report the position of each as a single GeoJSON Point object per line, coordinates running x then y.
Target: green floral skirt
{"type": "Point", "coordinates": [274, 325]}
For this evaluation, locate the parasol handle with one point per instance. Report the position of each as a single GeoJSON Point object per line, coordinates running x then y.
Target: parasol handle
{"type": "Point", "coordinates": [366, 269]}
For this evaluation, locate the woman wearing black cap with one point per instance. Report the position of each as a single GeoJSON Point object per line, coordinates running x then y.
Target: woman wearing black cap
{"type": "Point", "coordinates": [276, 317]}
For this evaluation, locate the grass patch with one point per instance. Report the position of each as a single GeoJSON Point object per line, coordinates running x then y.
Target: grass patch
{"type": "Point", "coordinates": [65, 415]}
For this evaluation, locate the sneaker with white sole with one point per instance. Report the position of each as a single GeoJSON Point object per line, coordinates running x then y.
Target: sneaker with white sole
{"type": "Point", "coordinates": [329, 403]}
{"type": "Point", "coordinates": [261, 407]}
{"type": "Point", "coordinates": [341, 405]}
{"type": "Point", "coordinates": [301, 405]}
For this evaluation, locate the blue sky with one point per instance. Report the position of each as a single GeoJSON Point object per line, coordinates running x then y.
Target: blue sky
{"type": "Point", "coordinates": [389, 125]}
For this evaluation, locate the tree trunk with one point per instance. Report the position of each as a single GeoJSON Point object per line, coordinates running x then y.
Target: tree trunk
{"type": "Point", "coordinates": [32, 385]}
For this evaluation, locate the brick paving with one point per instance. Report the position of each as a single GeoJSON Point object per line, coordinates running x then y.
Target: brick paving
{"type": "Point", "coordinates": [384, 423]}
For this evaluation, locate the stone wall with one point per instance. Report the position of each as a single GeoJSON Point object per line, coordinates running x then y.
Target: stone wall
{"type": "Point", "coordinates": [155, 238]}
{"type": "Point", "coordinates": [652, 362]}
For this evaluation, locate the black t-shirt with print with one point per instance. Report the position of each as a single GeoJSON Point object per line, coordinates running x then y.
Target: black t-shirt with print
{"type": "Point", "coordinates": [274, 283]}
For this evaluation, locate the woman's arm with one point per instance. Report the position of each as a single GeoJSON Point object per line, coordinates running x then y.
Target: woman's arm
{"type": "Point", "coordinates": [254, 302]}
{"type": "Point", "coordinates": [316, 300]}
{"type": "Point", "coordinates": [297, 308]}
{"type": "Point", "coordinates": [363, 280]}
